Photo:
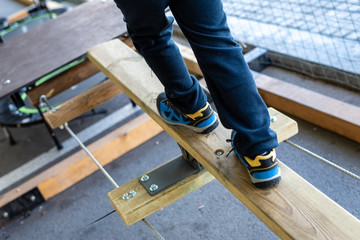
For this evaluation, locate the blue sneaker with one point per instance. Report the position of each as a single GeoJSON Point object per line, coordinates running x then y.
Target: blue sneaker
{"type": "Point", "coordinates": [203, 121]}
{"type": "Point", "coordinates": [264, 169]}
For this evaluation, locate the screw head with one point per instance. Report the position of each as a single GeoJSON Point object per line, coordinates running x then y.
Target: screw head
{"type": "Point", "coordinates": [153, 187]}
{"type": "Point", "coordinates": [6, 82]}
{"type": "Point", "coordinates": [32, 198]}
{"type": "Point", "coordinates": [5, 214]}
{"type": "Point", "coordinates": [219, 152]}
{"type": "Point", "coordinates": [55, 109]}
{"type": "Point", "coordinates": [132, 193]}
{"type": "Point", "coordinates": [273, 119]}
{"type": "Point", "coordinates": [144, 178]}
{"type": "Point", "coordinates": [126, 196]}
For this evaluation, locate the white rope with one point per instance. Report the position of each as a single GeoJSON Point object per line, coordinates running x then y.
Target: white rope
{"type": "Point", "coordinates": [347, 172]}
{"type": "Point", "coordinates": [104, 172]}
{"type": "Point", "coordinates": [107, 175]}
{"type": "Point", "coordinates": [157, 234]}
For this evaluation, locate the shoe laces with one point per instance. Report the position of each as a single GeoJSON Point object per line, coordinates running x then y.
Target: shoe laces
{"type": "Point", "coordinates": [169, 104]}
{"type": "Point", "coordinates": [232, 148]}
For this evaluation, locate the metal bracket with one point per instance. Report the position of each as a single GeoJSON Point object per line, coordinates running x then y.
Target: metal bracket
{"type": "Point", "coordinates": [172, 172]}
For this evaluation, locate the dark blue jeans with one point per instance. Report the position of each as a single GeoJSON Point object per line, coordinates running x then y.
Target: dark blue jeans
{"type": "Point", "coordinates": [220, 58]}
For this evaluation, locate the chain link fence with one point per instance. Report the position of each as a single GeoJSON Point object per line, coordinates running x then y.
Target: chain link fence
{"type": "Point", "coordinates": [322, 35]}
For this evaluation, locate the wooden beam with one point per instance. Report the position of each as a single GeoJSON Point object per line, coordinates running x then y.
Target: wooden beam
{"type": "Point", "coordinates": [62, 82]}
{"type": "Point", "coordinates": [26, 2]}
{"type": "Point", "coordinates": [18, 16]}
{"type": "Point", "coordinates": [293, 209]}
{"type": "Point", "coordinates": [143, 204]}
{"type": "Point", "coordinates": [326, 112]}
{"type": "Point", "coordinates": [81, 103]}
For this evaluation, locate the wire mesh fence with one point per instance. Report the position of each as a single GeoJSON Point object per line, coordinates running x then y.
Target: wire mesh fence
{"type": "Point", "coordinates": [324, 32]}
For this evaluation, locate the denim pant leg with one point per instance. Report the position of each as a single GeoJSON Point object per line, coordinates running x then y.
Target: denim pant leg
{"type": "Point", "coordinates": [150, 31]}
{"type": "Point", "coordinates": [228, 77]}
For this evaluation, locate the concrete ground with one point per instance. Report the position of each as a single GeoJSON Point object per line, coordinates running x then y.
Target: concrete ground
{"type": "Point", "coordinates": [211, 212]}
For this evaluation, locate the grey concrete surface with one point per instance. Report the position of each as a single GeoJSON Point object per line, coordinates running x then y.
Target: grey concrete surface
{"type": "Point", "coordinates": [9, 7]}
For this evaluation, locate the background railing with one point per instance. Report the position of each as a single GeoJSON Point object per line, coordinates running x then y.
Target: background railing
{"type": "Point", "coordinates": [322, 35]}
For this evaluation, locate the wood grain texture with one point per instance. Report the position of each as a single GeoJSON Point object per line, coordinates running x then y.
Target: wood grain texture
{"type": "Point", "coordinates": [105, 150]}
{"type": "Point", "coordinates": [82, 103]}
{"type": "Point", "coordinates": [326, 112]}
{"type": "Point", "coordinates": [26, 2]}
{"type": "Point", "coordinates": [142, 205]}
{"type": "Point", "coordinates": [62, 82]}
{"type": "Point", "coordinates": [18, 16]}
{"type": "Point", "coordinates": [293, 210]}
{"type": "Point", "coordinates": [57, 42]}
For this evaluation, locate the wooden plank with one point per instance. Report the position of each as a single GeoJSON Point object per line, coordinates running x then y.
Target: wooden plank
{"type": "Point", "coordinates": [82, 103]}
{"type": "Point", "coordinates": [326, 112]}
{"type": "Point", "coordinates": [321, 110]}
{"type": "Point", "coordinates": [57, 43]}
{"type": "Point", "coordinates": [294, 209]}
{"type": "Point", "coordinates": [18, 16]}
{"type": "Point", "coordinates": [143, 204]}
{"type": "Point", "coordinates": [62, 82]}
{"type": "Point", "coordinates": [108, 148]}
{"type": "Point", "coordinates": [26, 2]}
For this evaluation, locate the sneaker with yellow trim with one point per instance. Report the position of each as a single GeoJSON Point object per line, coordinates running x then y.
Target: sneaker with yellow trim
{"type": "Point", "coordinates": [202, 121]}
{"type": "Point", "coordinates": [264, 169]}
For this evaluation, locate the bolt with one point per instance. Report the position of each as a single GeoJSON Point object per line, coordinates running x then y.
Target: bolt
{"type": "Point", "coordinates": [144, 178]}
{"type": "Point", "coordinates": [219, 152]}
{"type": "Point", "coordinates": [132, 193]}
{"type": "Point", "coordinates": [32, 198]}
{"type": "Point", "coordinates": [153, 187]}
{"type": "Point", "coordinates": [55, 109]}
{"type": "Point", "coordinates": [5, 214]}
{"type": "Point", "coordinates": [273, 119]}
{"type": "Point", "coordinates": [6, 82]}
{"type": "Point", "coordinates": [126, 196]}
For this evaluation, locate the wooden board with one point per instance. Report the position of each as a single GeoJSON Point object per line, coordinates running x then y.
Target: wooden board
{"type": "Point", "coordinates": [57, 42]}
{"type": "Point", "coordinates": [18, 16]}
{"type": "Point", "coordinates": [82, 103]}
{"type": "Point", "coordinates": [62, 82]}
{"type": "Point", "coordinates": [326, 112]}
{"type": "Point", "coordinates": [293, 210]}
{"type": "Point", "coordinates": [143, 204]}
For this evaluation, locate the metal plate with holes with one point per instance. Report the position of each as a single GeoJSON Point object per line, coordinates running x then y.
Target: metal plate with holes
{"type": "Point", "coordinates": [167, 175]}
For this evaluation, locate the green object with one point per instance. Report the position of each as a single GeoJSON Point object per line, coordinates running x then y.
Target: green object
{"type": "Point", "coordinates": [25, 21]}
{"type": "Point", "coordinates": [30, 110]}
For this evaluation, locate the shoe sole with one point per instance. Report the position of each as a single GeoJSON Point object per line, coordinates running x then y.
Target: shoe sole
{"type": "Point", "coordinates": [266, 183]}
{"type": "Point", "coordinates": [204, 130]}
